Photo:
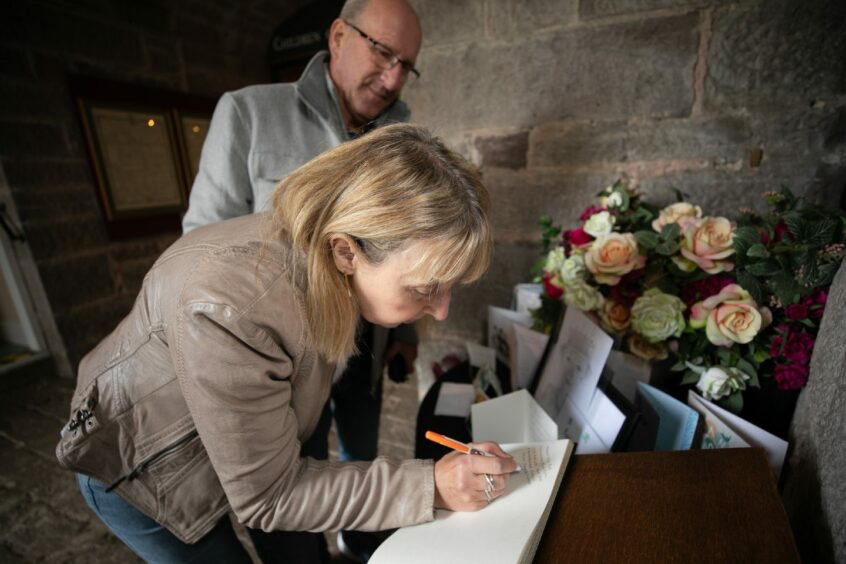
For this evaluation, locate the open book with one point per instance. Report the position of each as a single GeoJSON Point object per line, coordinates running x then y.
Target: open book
{"type": "Point", "coordinates": [507, 530]}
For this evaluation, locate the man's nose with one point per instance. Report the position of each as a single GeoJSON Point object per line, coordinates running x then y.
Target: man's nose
{"type": "Point", "coordinates": [393, 78]}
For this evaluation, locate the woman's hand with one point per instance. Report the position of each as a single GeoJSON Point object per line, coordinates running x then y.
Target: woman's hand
{"type": "Point", "coordinates": [460, 482]}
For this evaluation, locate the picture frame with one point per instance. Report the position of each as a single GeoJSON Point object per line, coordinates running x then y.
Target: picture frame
{"type": "Point", "coordinates": [141, 163]}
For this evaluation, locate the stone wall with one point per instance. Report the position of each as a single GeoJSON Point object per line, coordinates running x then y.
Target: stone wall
{"type": "Point", "coordinates": [554, 99]}
{"type": "Point", "coordinates": [197, 46]}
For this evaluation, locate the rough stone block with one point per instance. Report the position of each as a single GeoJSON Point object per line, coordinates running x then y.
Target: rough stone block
{"type": "Point", "coordinates": [58, 29]}
{"type": "Point", "coordinates": [31, 139]}
{"type": "Point", "coordinates": [77, 280]}
{"type": "Point", "coordinates": [599, 8]}
{"type": "Point", "coordinates": [632, 69]}
{"type": "Point", "coordinates": [505, 151]}
{"type": "Point", "coordinates": [56, 238]}
{"type": "Point", "coordinates": [512, 18]}
{"type": "Point", "coordinates": [155, 15]}
{"type": "Point", "coordinates": [14, 63]}
{"type": "Point", "coordinates": [724, 139]}
{"type": "Point", "coordinates": [54, 202]}
{"type": "Point", "coordinates": [519, 199]}
{"type": "Point", "coordinates": [776, 54]}
{"type": "Point", "coordinates": [447, 21]}
{"type": "Point", "coordinates": [23, 173]}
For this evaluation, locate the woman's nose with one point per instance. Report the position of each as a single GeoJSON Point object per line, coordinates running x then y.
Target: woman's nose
{"type": "Point", "coordinates": [439, 308]}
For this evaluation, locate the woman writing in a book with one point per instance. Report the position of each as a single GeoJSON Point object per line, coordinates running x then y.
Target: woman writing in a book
{"type": "Point", "coordinates": [200, 399]}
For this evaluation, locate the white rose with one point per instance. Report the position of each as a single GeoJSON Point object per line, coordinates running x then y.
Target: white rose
{"type": "Point", "coordinates": [555, 260]}
{"type": "Point", "coordinates": [718, 382]}
{"type": "Point", "coordinates": [600, 224]}
{"type": "Point", "coordinates": [573, 268]}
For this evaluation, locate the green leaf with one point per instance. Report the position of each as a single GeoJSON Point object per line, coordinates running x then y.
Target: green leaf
{"type": "Point", "coordinates": [758, 251]}
{"type": "Point", "coordinates": [785, 288]}
{"type": "Point", "coordinates": [671, 232]}
{"type": "Point", "coordinates": [667, 248]}
{"type": "Point", "coordinates": [764, 268]}
{"type": "Point", "coordinates": [819, 233]}
{"type": "Point", "coordinates": [795, 222]}
{"type": "Point", "coordinates": [746, 367]}
{"type": "Point", "coordinates": [745, 237]}
{"type": "Point", "coordinates": [750, 284]}
{"type": "Point", "coordinates": [733, 403]}
{"type": "Point", "coordinates": [690, 377]}
{"type": "Point", "coordinates": [647, 239]}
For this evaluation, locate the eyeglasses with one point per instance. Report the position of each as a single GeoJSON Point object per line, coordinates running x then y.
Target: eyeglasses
{"type": "Point", "coordinates": [385, 58]}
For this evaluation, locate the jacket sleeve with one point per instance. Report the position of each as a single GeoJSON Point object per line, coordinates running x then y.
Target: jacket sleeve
{"type": "Point", "coordinates": [241, 387]}
{"type": "Point", "coordinates": [222, 188]}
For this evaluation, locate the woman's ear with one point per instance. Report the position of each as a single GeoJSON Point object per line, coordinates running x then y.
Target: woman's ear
{"type": "Point", "coordinates": [343, 253]}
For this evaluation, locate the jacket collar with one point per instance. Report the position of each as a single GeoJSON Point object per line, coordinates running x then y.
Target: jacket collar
{"type": "Point", "coordinates": [312, 89]}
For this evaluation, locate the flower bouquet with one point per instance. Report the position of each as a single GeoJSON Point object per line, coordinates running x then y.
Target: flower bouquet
{"type": "Point", "coordinates": [734, 301]}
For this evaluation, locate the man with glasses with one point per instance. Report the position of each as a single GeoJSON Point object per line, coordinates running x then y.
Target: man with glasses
{"type": "Point", "coordinates": [260, 134]}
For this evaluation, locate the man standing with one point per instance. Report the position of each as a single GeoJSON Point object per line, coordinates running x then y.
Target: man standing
{"type": "Point", "coordinates": [260, 134]}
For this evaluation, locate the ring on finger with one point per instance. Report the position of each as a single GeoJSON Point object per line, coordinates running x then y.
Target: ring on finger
{"type": "Point", "coordinates": [488, 496]}
{"type": "Point", "coordinates": [489, 480]}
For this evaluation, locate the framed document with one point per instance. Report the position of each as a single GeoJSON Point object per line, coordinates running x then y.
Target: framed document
{"type": "Point", "coordinates": [191, 130]}
{"type": "Point", "coordinates": [144, 148]}
{"type": "Point", "coordinates": [136, 162]}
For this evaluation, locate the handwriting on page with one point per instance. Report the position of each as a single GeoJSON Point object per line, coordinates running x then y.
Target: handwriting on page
{"type": "Point", "coordinates": [535, 462]}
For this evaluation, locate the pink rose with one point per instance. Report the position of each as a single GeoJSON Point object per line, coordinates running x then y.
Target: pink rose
{"type": "Point", "coordinates": [707, 242]}
{"type": "Point", "coordinates": [791, 376]}
{"type": "Point", "coordinates": [614, 317]}
{"type": "Point", "coordinates": [731, 316]}
{"type": "Point", "coordinates": [612, 256]}
{"type": "Point", "coordinates": [674, 212]}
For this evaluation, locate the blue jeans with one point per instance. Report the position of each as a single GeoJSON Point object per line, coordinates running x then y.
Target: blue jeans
{"type": "Point", "coordinates": [154, 543]}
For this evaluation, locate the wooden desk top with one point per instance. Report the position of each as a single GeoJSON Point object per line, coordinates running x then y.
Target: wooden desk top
{"type": "Point", "coordinates": [692, 506]}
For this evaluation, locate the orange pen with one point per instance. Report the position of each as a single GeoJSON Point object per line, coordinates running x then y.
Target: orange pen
{"type": "Point", "coordinates": [453, 444]}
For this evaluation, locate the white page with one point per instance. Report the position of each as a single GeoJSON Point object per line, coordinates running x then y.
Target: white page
{"type": "Point", "coordinates": [526, 297]}
{"type": "Point", "coordinates": [574, 364]}
{"type": "Point", "coordinates": [507, 530]}
{"type": "Point", "coordinates": [512, 418]}
{"type": "Point", "coordinates": [454, 399]}
{"type": "Point", "coordinates": [775, 447]}
{"type": "Point", "coordinates": [499, 323]}
{"type": "Point", "coordinates": [717, 434]}
{"type": "Point", "coordinates": [573, 424]}
{"type": "Point", "coordinates": [481, 356]}
{"type": "Point", "coordinates": [527, 352]}
{"type": "Point", "coordinates": [605, 418]}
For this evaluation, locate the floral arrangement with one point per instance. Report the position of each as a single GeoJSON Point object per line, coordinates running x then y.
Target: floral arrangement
{"type": "Point", "coordinates": [733, 300]}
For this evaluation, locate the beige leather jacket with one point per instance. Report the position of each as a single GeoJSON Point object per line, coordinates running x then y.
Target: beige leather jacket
{"type": "Point", "coordinates": [200, 398]}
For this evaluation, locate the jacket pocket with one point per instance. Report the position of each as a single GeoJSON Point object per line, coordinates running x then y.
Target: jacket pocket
{"type": "Point", "coordinates": [159, 457]}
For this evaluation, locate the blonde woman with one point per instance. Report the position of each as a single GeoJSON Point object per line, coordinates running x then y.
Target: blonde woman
{"type": "Point", "coordinates": [199, 401]}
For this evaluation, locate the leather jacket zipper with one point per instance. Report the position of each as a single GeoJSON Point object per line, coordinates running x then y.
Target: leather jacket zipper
{"type": "Point", "coordinates": [142, 467]}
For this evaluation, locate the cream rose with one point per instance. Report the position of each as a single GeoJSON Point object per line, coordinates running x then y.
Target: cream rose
{"type": "Point", "coordinates": [674, 212]}
{"type": "Point", "coordinates": [599, 224]}
{"type": "Point", "coordinates": [554, 260]}
{"type": "Point", "coordinates": [658, 316]}
{"type": "Point", "coordinates": [582, 295]}
{"type": "Point", "coordinates": [614, 317]}
{"type": "Point", "coordinates": [707, 242]}
{"type": "Point", "coordinates": [718, 382]}
{"type": "Point", "coordinates": [729, 317]}
{"type": "Point", "coordinates": [613, 256]}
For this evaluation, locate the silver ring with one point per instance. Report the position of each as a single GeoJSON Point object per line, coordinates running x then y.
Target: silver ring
{"type": "Point", "coordinates": [489, 480]}
{"type": "Point", "coordinates": [488, 495]}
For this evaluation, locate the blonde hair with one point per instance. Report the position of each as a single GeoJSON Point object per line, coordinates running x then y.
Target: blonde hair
{"type": "Point", "coordinates": [386, 190]}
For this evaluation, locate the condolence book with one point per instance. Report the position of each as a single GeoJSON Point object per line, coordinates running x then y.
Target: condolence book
{"type": "Point", "coordinates": [507, 530]}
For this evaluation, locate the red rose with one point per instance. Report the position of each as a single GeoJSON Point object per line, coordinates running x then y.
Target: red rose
{"type": "Point", "coordinates": [589, 212]}
{"type": "Point", "coordinates": [577, 237]}
{"type": "Point", "coordinates": [553, 291]}
{"type": "Point", "coordinates": [791, 376]}
{"type": "Point", "coordinates": [781, 230]}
